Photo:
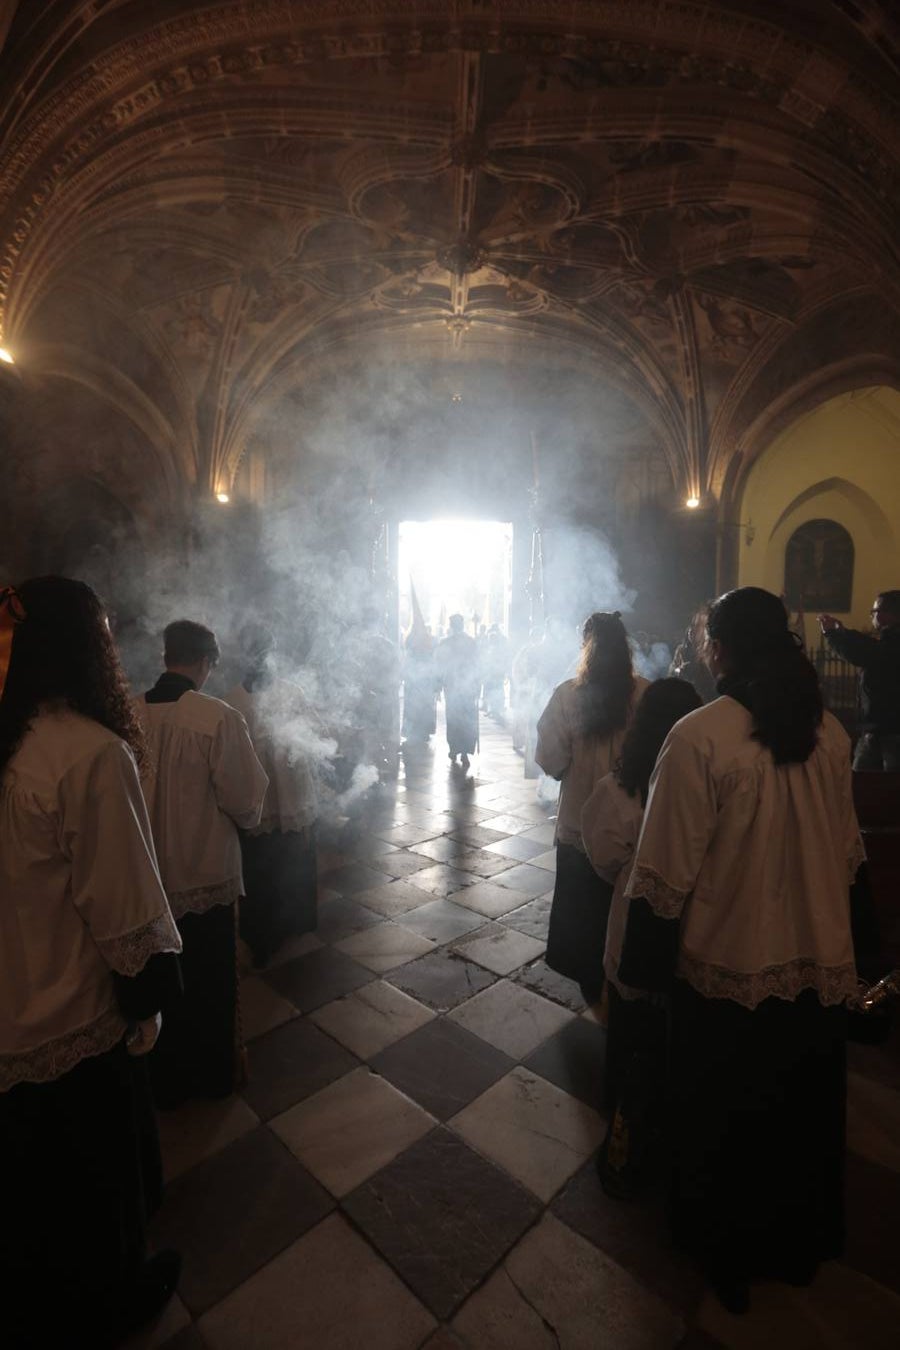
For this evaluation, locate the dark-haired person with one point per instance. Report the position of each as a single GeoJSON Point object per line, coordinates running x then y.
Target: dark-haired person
{"type": "Point", "coordinates": [739, 906]}
{"type": "Point", "coordinates": [580, 734]}
{"type": "Point", "coordinates": [202, 780]}
{"type": "Point", "coordinates": [87, 961]}
{"type": "Point", "coordinates": [636, 1033]}
{"type": "Point", "coordinates": [878, 659]}
{"type": "Point", "coordinates": [688, 663]}
{"type": "Point", "coordinates": [279, 854]}
{"type": "Point", "coordinates": [456, 665]}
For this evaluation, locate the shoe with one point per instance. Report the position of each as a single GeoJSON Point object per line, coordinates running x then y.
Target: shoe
{"type": "Point", "coordinates": [464, 761]}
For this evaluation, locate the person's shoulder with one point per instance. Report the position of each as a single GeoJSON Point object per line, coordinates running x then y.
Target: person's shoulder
{"type": "Point", "coordinates": [59, 740]}
{"type": "Point", "coordinates": [714, 725]}
{"type": "Point", "coordinates": [833, 735]}
{"type": "Point", "coordinates": [205, 712]}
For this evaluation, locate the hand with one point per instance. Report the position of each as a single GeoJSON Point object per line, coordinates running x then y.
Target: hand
{"type": "Point", "coordinates": [827, 623]}
{"type": "Point", "coordinates": [142, 1039]}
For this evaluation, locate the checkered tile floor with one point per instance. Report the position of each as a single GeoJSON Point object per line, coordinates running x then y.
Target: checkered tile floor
{"type": "Point", "coordinates": [410, 1163]}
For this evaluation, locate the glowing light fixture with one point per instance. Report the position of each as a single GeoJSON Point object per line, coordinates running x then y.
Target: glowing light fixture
{"type": "Point", "coordinates": [7, 356]}
{"type": "Point", "coordinates": [692, 503]}
{"type": "Point", "coordinates": [223, 497]}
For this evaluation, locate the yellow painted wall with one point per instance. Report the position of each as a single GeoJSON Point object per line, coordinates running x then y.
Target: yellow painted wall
{"type": "Point", "coordinates": [840, 462]}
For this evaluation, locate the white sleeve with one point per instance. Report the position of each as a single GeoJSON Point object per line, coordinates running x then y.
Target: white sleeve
{"type": "Point", "coordinates": [679, 823]}
{"type": "Point", "coordinates": [116, 886]}
{"type": "Point", "coordinates": [239, 780]}
{"type": "Point", "coordinates": [609, 828]}
{"type": "Point", "coordinates": [553, 751]}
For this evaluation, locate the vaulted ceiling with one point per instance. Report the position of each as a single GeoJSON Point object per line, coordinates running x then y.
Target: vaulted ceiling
{"type": "Point", "coordinates": [677, 217]}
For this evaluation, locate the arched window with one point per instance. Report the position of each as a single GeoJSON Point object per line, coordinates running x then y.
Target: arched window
{"type": "Point", "coordinates": [818, 568]}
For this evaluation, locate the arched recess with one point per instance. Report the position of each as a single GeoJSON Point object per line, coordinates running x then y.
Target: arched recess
{"type": "Point", "coordinates": [839, 462]}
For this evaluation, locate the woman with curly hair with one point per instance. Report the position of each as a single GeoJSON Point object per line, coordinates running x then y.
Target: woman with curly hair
{"type": "Point", "coordinates": [87, 959]}
{"type": "Point", "coordinates": [580, 734]}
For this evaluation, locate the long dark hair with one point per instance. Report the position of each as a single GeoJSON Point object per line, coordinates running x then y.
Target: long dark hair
{"type": "Point", "coordinates": [605, 678]}
{"type": "Point", "coordinates": [767, 671]}
{"type": "Point", "coordinates": [663, 703]}
{"type": "Point", "coordinates": [63, 655]}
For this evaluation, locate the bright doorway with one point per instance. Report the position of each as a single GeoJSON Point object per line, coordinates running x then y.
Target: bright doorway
{"type": "Point", "coordinates": [455, 567]}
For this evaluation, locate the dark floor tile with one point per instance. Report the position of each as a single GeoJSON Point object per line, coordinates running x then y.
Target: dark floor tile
{"type": "Point", "coordinates": [442, 880]}
{"type": "Point", "coordinates": [369, 847]}
{"type": "Point", "coordinates": [439, 850]}
{"type": "Point", "coordinates": [878, 1062]}
{"type": "Point", "coordinates": [482, 864]}
{"type": "Point", "coordinates": [539, 977]}
{"type": "Point", "coordinates": [574, 1059]}
{"type": "Point", "coordinates": [632, 1233]}
{"type": "Point", "coordinates": [403, 864]}
{"type": "Point", "coordinates": [317, 978]}
{"type": "Point", "coordinates": [471, 814]}
{"type": "Point", "coordinates": [529, 881]}
{"type": "Point", "coordinates": [442, 1066]}
{"type": "Point", "coordinates": [443, 1217]}
{"type": "Point", "coordinates": [520, 850]}
{"type": "Point", "coordinates": [188, 1338]}
{"type": "Point", "coordinates": [290, 1063]}
{"type": "Point", "coordinates": [476, 836]}
{"type": "Point", "coordinates": [440, 920]}
{"type": "Point", "coordinates": [441, 979]}
{"type": "Point", "coordinates": [533, 918]}
{"type": "Point", "coordinates": [341, 917]}
{"type": "Point", "coordinates": [234, 1212]}
{"type": "Point", "coordinates": [873, 1203]}
{"type": "Point", "coordinates": [407, 834]}
{"type": "Point", "coordinates": [353, 877]}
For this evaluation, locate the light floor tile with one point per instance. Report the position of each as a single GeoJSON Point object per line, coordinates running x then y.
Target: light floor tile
{"type": "Point", "coordinates": [511, 1017]}
{"type": "Point", "coordinates": [873, 1122]}
{"type": "Point", "coordinates": [488, 898]}
{"type": "Point", "coordinates": [556, 1289]}
{"type": "Point", "coordinates": [501, 950]}
{"type": "Point", "coordinates": [536, 1132]}
{"type": "Point", "coordinates": [545, 860]}
{"type": "Point", "coordinates": [199, 1129]}
{"type": "Point", "coordinates": [328, 1291]}
{"type": "Point", "coordinates": [261, 1008]}
{"type": "Point", "coordinates": [841, 1310]}
{"type": "Point", "coordinates": [372, 1018]}
{"type": "Point", "coordinates": [350, 1129]}
{"type": "Point", "coordinates": [385, 946]}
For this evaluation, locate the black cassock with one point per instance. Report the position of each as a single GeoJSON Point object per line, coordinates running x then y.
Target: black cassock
{"type": "Point", "coordinates": [457, 665]}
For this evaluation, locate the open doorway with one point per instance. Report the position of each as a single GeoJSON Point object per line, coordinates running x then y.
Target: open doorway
{"type": "Point", "coordinates": [455, 567]}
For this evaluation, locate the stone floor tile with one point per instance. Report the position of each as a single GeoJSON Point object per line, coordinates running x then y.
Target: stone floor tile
{"type": "Point", "coordinates": [443, 1217]}
{"type": "Point", "coordinates": [546, 860]}
{"type": "Point", "coordinates": [406, 834]}
{"type": "Point", "coordinates": [873, 1202]}
{"type": "Point", "coordinates": [164, 1331]}
{"type": "Point", "coordinates": [232, 1213]}
{"type": "Point", "coordinates": [489, 898]}
{"type": "Point", "coordinates": [539, 977]}
{"type": "Point", "coordinates": [517, 847]}
{"type": "Point", "coordinates": [532, 918]}
{"type": "Point", "coordinates": [537, 1133]}
{"type": "Point", "coordinates": [528, 880]}
{"type": "Point", "coordinates": [575, 1060]}
{"type": "Point", "coordinates": [510, 1017]}
{"type": "Point", "coordinates": [351, 1129]}
{"type": "Point", "coordinates": [291, 1063]}
{"type": "Point", "coordinates": [441, 979]}
{"type": "Point", "coordinates": [329, 1291]}
{"type": "Point", "coordinates": [385, 947]}
{"type": "Point", "coordinates": [500, 949]}
{"type": "Point", "coordinates": [402, 864]}
{"type": "Point", "coordinates": [841, 1310]}
{"type": "Point", "coordinates": [544, 833]}
{"type": "Point", "coordinates": [442, 1066]}
{"type": "Point", "coordinates": [353, 877]}
{"type": "Point", "coordinates": [366, 847]}
{"type": "Point", "coordinates": [442, 849]}
{"type": "Point", "coordinates": [553, 1290]}
{"type": "Point", "coordinates": [261, 1008]}
{"type": "Point", "coordinates": [309, 981]}
{"type": "Point", "coordinates": [507, 824]}
{"type": "Point", "coordinates": [371, 1018]}
{"type": "Point", "coordinates": [634, 1234]}
{"type": "Point", "coordinates": [187, 1339]}
{"type": "Point", "coordinates": [477, 836]}
{"type": "Point", "coordinates": [482, 864]}
{"type": "Point", "coordinates": [873, 1121]}
{"type": "Point", "coordinates": [300, 945]}
{"type": "Point", "coordinates": [395, 898]}
{"type": "Point", "coordinates": [443, 1339]}
{"type": "Point", "coordinates": [442, 880]}
{"type": "Point", "coordinates": [198, 1129]}
{"type": "Point", "coordinates": [440, 920]}
{"type": "Point", "coordinates": [341, 917]}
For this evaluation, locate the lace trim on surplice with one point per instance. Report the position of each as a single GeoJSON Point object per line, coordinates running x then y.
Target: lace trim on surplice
{"type": "Point", "coordinates": [54, 1058]}
{"type": "Point", "coordinates": [833, 984]}
{"type": "Point", "coordinates": [128, 954]}
{"type": "Point", "coordinates": [204, 898]}
{"type": "Point", "coordinates": [662, 898]}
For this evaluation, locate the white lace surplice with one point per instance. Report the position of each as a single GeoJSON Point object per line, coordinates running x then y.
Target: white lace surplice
{"type": "Point", "coordinates": [80, 896]}
{"type": "Point", "coordinates": [754, 858]}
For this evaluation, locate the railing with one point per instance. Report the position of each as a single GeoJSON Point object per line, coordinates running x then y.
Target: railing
{"type": "Point", "coordinates": [839, 682]}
